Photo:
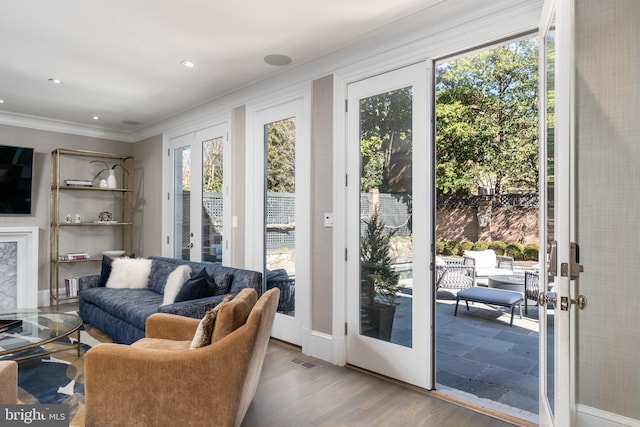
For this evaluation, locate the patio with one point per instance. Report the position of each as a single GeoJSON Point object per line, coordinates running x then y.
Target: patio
{"type": "Point", "coordinates": [480, 358]}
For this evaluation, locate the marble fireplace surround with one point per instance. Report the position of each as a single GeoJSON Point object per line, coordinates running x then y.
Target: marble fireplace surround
{"type": "Point", "coordinates": [26, 273]}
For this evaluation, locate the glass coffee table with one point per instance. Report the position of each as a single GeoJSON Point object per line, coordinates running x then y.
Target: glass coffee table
{"type": "Point", "coordinates": [36, 330]}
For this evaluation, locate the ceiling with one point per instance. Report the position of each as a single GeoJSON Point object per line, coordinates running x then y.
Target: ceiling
{"type": "Point", "coordinates": [120, 60]}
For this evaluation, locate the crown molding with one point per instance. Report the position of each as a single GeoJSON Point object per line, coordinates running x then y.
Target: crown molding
{"type": "Point", "coordinates": [59, 126]}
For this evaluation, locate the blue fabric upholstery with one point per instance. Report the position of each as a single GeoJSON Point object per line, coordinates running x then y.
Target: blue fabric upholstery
{"type": "Point", "coordinates": [122, 313]}
{"type": "Point", "coordinates": [131, 305]}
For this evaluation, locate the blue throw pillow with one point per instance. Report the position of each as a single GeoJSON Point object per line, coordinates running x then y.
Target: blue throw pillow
{"type": "Point", "coordinates": [106, 270]}
{"type": "Point", "coordinates": [198, 286]}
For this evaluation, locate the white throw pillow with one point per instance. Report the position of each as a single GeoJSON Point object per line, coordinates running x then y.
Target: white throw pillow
{"type": "Point", "coordinates": [174, 283]}
{"type": "Point", "coordinates": [129, 273]}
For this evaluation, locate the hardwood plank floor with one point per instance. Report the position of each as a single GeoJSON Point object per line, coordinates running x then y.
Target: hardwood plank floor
{"type": "Point", "coordinates": [297, 390]}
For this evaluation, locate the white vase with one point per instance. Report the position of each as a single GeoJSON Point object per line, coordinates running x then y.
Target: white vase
{"type": "Point", "coordinates": [111, 179]}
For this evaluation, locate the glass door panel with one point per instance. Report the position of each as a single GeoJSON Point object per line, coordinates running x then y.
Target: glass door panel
{"type": "Point", "coordinates": [386, 253]}
{"type": "Point", "coordinates": [280, 211]}
{"type": "Point", "coordinates": [546, 280]}
{"type": "Point", "coordinates": [212, 200]}
{"type": "Point", "coordinates": [389, 306]}
{"type": "Point", "coordinates": [182, 203]}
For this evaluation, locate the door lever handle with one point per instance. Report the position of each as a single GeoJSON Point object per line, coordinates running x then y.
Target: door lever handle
{"type": "Point", "coordinates": [544, 299]}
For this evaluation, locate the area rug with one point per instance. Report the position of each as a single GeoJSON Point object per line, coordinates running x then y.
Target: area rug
{"type": "Point", "coordinates": [57, 378]}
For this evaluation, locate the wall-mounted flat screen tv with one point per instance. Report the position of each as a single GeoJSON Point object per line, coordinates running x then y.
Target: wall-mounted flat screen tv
{"type": "Point", "coordinates": [16, 176]}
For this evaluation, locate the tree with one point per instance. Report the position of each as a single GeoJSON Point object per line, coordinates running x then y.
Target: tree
{"type": "Point", "coordinates": [486, 120]}
{"type": "Point", "coordinates": [378, 276]}
{"type": "Point", "coordinates": [212, 165]}
{"type": "Point", "coordinates": [385, 141]}
{"type": "Point", "coordinates": [281, 156]}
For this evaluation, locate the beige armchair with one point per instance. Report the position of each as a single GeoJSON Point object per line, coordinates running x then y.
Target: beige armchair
{"type": "Point", "coordinates": [8, 382]}
{"type": "Point", "coordinates": [160, 381]}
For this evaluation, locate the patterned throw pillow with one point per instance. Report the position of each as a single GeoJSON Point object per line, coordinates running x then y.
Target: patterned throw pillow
{"type": "Point", "coordinates": [204, 331]}
{"type": "Point", "coordinates": [222, 283]}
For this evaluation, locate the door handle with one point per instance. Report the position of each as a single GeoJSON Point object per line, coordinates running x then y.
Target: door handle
{"type": "Point", "coordinates": [580, 302]}
{"type": "Point", "coordinates": [544, 299]}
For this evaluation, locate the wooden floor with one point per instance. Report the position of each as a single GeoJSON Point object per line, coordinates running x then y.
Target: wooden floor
{"type": "Point", "coordinates": [297, 390]}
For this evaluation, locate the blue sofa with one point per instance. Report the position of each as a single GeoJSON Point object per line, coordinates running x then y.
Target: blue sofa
{"type": "Point", "coordinates": [122, 313]}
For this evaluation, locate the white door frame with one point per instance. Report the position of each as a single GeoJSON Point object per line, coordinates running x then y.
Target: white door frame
{"type": "Point", "coordinates": [564, 207]}
{"type": "Point", "coordinates": [293, 329]}
{"type": "Point", "coordinates": [411, 365]}
{"type": "Point", "coordinates": [194, 139]}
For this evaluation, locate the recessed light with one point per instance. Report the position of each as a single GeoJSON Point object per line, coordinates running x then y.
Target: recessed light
{"type": "Point", "coordinates": [95, 117]}
{"type": "Point", "coordinates": [1, 101]}
{"type": "Point", "coordinates": [187, 63]}
{"type": "Point", "coordinates": [277, 60]}
{"type": "Point", "coordinates": [56, 81]}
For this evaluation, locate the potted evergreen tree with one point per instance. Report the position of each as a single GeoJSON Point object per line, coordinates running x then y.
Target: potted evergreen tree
{"type": "Point", "coordinates": [379, 282]}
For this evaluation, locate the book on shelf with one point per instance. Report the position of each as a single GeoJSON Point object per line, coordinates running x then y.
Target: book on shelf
{"type": "Point", "coordinates": [74, 256]}
{"type": "Point", "coordinates": [71, 286]}
{"type": "Point", "coordinates": [78, 183]}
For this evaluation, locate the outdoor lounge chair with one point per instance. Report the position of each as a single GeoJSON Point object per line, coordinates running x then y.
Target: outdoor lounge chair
{"type": "Point", "coordinates": [487, 263]}
{"type": "Point", "coordinates": [532, 289]}
{"type": "Point", "coordinates": [452, 275]}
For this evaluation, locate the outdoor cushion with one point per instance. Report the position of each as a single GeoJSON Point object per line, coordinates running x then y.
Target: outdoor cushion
{"type": "Point", "coordinates": [491, 296]}
{"type": "Point", "coordinates": [483, 259]}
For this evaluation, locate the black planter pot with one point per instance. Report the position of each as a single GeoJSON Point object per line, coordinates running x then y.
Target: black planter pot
{"type": "Point", "coordinates": [381, 321]}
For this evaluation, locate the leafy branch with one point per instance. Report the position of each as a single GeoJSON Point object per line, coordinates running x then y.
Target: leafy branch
{"type": "Point", "coordinates": [106, 168]}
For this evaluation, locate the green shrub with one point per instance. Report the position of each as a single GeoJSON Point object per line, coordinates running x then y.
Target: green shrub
{"type": "Point", "coordinates": [498, 247]}
{"type": "Point", "coordinates": [480, 245]}
{"type": "Point", "coordinates": [531, 252]}
{"type": "Point", "coordinates": [466, 246]}
{"type": "Point", "coordinates": [514, 250]}
{"type": "Point", "coordinates": [439, 247]}
{"type": "Point", "coordinates": [452, 247]}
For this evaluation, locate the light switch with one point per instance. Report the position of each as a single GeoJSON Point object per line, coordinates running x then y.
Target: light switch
{"type": "Point", "coordinates": [328, 220]}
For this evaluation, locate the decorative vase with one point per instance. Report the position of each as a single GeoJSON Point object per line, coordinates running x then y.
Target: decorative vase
{"type": "Point", "coordinates": [111, 180]}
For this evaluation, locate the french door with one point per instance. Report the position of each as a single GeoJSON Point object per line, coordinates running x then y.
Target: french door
{"type": "Point", "coordinates": [556, 196]}
{"type": "Point", "coordinates": [589, 369]}
{"type": "Point", "coordinates": [389, 306]}
{"type": "Point", "coordinates": [278, 209]}
{"type": "Point", "coordinates": [198, 196]}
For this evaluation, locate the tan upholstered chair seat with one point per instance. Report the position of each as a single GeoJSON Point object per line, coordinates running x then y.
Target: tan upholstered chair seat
{"type": "Point", "coordinates": [159, 380]}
